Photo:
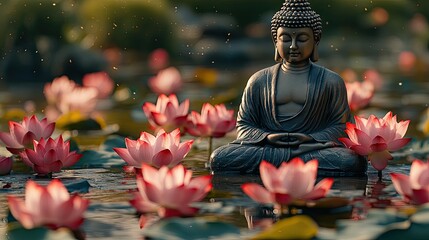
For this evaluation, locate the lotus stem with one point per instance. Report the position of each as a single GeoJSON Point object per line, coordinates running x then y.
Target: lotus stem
{"type": "Point", "coordinates": [210, 148]}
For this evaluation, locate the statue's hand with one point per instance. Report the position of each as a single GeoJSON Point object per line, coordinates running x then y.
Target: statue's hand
{"type": "Point", "coordinates": [308, 147]}
{"type": "Point", "coordinates": [288, 139]}
{"type": "Point", "coordinates": [298, 138]}
{"type": "Point", "coordinates": [279, 139]}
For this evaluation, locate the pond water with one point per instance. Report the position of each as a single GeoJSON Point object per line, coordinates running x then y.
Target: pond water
{"type": "Point", "coordinates": [110, 216]}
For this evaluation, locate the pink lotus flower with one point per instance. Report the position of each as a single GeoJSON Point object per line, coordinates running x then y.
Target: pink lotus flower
{"type": "Point", "coordinates": [214, 121]}
{"type": "Point", "coordinates": [52, 113]}
{"type": "Point", "coordinates": [50, 206]}
{"type": "Point", "coordinates": [167, 81]}
{"type": "Point", "coordinates": [359, 94]}
{"type": "Point", "coordinates": [349, 75]}
{"type": "Point", "coordinates": [407, 61]}
{"type": "Point", "coordinates": [379, 16]}
{"type": "Point", "coordinates": [81, 99]}
{"type": "Point", "coordinates": [5, 165]}
{"type": "Point", "coordinates": [376, 138]}
{"type": "Point", "coordinates": [413, 188]}
{"type": "Point", "coordinates": [162, 149]}
{"type": "Point", "coordinates": [419, 24]}
{"type": "Point", "coordinates": [22, 135]}
{"type": "Point", "coordinates": [65, 95]}
{"type": "Point", "coordinates": [158, 59]}
{"type": "Point", "coordinates": [59, 86]}
{"type": "Point", "coordinates": [100, 81]}
{"type": "Point", "coordinates": [374, 77]}
{"type": "Point", "coordinates": [167, 113]}
{"type": "Point", "coordinates": [169, 192]}
{"type": "Point", "coordinates": [291, 181]}
{"type": "Point", "coordinates": [50, 156]}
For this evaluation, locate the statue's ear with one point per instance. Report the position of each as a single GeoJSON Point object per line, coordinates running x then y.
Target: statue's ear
{"type": "Point", "coordinates": [277, 57]}
{"type": "Point", "coordinates": [315, 54]}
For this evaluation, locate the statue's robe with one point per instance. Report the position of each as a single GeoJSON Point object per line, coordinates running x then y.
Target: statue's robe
{"type": "Point", "coordinates": [323, 117]}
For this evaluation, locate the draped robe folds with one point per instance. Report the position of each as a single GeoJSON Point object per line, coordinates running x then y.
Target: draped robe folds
{"type": "Point", "coordinates": [323, 117]}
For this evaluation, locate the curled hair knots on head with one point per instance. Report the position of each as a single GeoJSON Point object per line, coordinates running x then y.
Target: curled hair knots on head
{"type": "Point", "coordinates": [296, 14]}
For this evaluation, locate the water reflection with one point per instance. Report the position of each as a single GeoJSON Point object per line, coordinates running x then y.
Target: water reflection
{"type": "Point", "coordinates": [349, 198]}
{"type": "Point", "coordinates": [342, 202]}
{"type": "Point", "coordinates": [110, 216]}
{"type": "Point", "coordinates": [260, 217]}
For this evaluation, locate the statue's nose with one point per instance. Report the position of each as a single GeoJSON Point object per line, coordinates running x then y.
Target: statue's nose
{"type": "Point", "coordinates": [293, 44]}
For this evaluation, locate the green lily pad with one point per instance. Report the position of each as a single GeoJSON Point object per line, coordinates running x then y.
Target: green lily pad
{"type": "Point", "coordinates": [191, 229]}
{"type": "Point", "coordinates": [377, 223]}
{"type": "Point", "coordinates": [406, 231]}
{"type": "Point", "coordinates": [416, 228]}
{"type": "Point", "coordinates": [99, 159]}
{"type": "Point", "coordinates": [77, 186]}
{"type": "Point", "coordinates": [74, 146]}
{"type": "Point", "coordinates": [86, 124]}
{"type": "Point", "coordinates": [422, 215]}
{"type": "Point", "coordinates": [297, 227]}
{"type": "Point", "coordinates": [16, 232]}
{"type": "Point", "coordinates": [113, 141]}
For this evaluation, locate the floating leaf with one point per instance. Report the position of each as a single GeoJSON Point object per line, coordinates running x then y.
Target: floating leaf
{"type": "Point", "coordinates": [99, 159]}
{"type": "Point", "coordinates": [415, 228]}
{"type": "Point", "coordinates": [297, 227]}
{"type": "Point", "coordinates": [16, 232]}
{"type": "Point", "coordinates": [378, 221]}
{"type": "Point", "coordinates": [86, 124]}
{"type": "Point", "coordinates": [76, 120]}
{"type": "Point", "coordinates": [113, 141]}
{"type": "Point", "coordinates": [77, 186]}
{"type": "Point", "coordinates": [191, 228]}
{"type": "Point", "coordinates": [422, 215]}
{"type": "Point", "coordinates": [74, 146]}
{"type": "Point", "coordinates": [415, 232]}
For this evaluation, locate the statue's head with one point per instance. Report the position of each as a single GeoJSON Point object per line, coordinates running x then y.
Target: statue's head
{"type": "Point", "coordinates": [297, 14]}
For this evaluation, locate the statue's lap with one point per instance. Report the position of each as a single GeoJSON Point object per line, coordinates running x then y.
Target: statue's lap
{"type": "Point", "coordinates": [245, 158]}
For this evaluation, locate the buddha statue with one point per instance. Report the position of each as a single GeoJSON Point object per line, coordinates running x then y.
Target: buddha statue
{"type": "Point", "coordinates": [295, 108]}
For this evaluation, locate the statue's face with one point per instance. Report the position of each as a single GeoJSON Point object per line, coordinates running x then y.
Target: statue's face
{"type": "Point", "coordinates": [295, 45]}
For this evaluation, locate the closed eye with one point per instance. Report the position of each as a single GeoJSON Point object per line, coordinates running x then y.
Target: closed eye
{"type": "Point", "coordinates": [285, 38]}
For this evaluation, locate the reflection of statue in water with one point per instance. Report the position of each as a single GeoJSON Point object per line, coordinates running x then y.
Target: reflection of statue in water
{"type": "Point", "coordinates": [294, 108]}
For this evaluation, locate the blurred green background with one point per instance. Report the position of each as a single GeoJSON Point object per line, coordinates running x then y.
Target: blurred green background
{"type": "Point", "coordinates": [216, 45]}
{"type": "Point", "coordinates": [47, 38]}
